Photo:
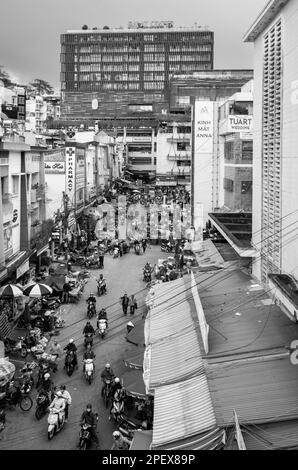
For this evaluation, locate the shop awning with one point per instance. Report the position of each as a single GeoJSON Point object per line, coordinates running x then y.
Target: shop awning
{"type": "Point", "coordinates": [136, 361]}
{"type": "Point", "coordinates": [136, 336]}
{"type": "Point", "coordinates": [182, 410]}
{"type": "Point", "coordinates": [141, 440]}
{"type": "Point", "coordinates": [55, 282]}
{"type": "Point", "coordinates": [176, 359]}
{"type": "Point", "coordinates": [134, 384]}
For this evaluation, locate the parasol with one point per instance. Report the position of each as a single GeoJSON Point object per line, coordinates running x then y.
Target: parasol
{"type": "Point", "coordinates": [10, 291]}
{"type": "Point", "coordinates": [38, 290]}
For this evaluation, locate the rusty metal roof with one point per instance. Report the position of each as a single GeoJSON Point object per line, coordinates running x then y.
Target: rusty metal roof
{"type": "Point", "coordinates": [176, 359]}
{"type": "Point", "coordinates": [182, 410]}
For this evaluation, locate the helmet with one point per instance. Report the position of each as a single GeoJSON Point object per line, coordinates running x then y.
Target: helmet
{"type": "Point", "coordinates": [116, 434]}
{"type": "Point", "coordinates": [71, 340]}
{"type": "Point", "coordinates": [116, 380]}
{"type": "Point", "coordinates": [91, 294]}
{"type": "Point", "coordinates": [89, 406]}
{"type": "Point", "coordinates": [107, 366]}
{"type": "Point", "coordinates": [47, 376]}
{"type": "Point", "coordinates": [88, 322]}
{"type": "Point", "coordinates": [59, 393]}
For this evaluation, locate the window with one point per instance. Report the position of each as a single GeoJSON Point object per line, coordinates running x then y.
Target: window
{"type": "Point", "coordinates": [246, 187]}
{"type": "Point", "coordinates": [181, 146]}
{"type": "Point", "coordinates": [228, 184]}
{"type": "Point", "coordinates": [15, 184]}
{"type": "Point", "coordinates": [183, 100]}
{"type": "Point", "coordinates": [184, 129]}
{"type": "Point", "coordinates": [229, 150]}
{"type": "Point", "coordinates": [247, 147]}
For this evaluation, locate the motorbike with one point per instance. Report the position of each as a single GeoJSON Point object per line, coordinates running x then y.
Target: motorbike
{"type": "Point", "coordinates": [147, 276]}
{"type": "Point", "coordinates": [18, 396]}
{"type": "Point", "coordinates": [16, 347]}
{"type": "Point", "coordinates": [92, 262]}
{"type": "Point", "coordinates": [88, 340]}
{"type": "Point", "coordinates": [91, 310]}
{"type": "Point", "coordinates": [51, 303]}
{"type": "Point", "coordinates": [69, 363]}
{"type": "Point", "coordinates": [106, 391]}
{"type": "Point", "coordinates": [42, 404]}
{"type": "Point", "coordinates": [168, 248]}
{"type": "Point", "coordinates": [89, 370]}
{"type": "Point", "coordinates": [117, 409]}
{"type": "Point", "coordinates": [102, 327]}
{"type": "Point", "coordinates": [101, 288]}
{"type": "Point", "coordinates": [115, 252]}
{"type": "Point", "coordinates": [85, 435]}
{"type": "Point", "coordinates": [54, 424]}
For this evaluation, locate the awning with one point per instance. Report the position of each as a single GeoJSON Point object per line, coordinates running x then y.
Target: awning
{"type": "Point", "coordinates": [141, 440]}
{"type": "Point", "coordinates": [134, 384]}
{"type": "Point", "coordinates": [5, 326]}
{"type": "Point", "coordinates": [55, 282]}
{"type": "Point", "coordinates": [136, 361]}
{"type": "Point", "coordinates": [136, 335]}
{"type": "Point", "coordinates": [176, 359]}
{"type": "Point", "coordinates": [181, 411]}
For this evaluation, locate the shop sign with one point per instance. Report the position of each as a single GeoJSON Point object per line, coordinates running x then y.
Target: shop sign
{"type": "Point", "coordinates": [54, 167]}
{"type": "Point", "coordinates": [70, 171]}
{"type": "Point", "coordinates": [240, 123]}
{"type": "Point", "coordinates": [22, 269]}
{"type": "Point", "coordinates": [203, 127]}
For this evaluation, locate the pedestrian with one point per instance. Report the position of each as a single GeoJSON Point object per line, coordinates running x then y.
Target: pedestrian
{"type": "Point", "coordinates": [55, 350]}
{"type": "Point", "coordinates": [66, 395]}
{"type": "Point", "coordinates": [132, 305]}
{"type": "Point", "coordinates": [125, 302]}
{"type": "Point", "coordinates": [144, 244]}
{"type": "Point", "coordinates": [65, 293]}
{"type": "Point", "coordinates": [188, 266]}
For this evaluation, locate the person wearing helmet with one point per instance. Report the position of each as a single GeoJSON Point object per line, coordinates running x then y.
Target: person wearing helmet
{"type": "Point", "coordinates": [59, 404]}
{"type": "Point", "coordinates": [88, 354]}
{"type": "Point", "coordinates": [47, 385]}
{"type": "Point", "coordinates": [120, 442]}
{"type": "Point", "coordinates": [107, 374]}
{"type": "Point", "coordinates": [91, 298]}
{"type": "Point", "coordinates": [102, 315]}
{"type": "Point", "coordinates": [88, 329]}
{"type": "Point", "coordinates": [90, 418]}
{"type": "Point", "coordinates": [72, 347]}
{"type": "Point", "coordinates": [116, 385]}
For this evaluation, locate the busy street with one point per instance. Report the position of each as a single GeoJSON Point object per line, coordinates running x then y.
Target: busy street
{"type": "Point", "coordinates": [123, 274]}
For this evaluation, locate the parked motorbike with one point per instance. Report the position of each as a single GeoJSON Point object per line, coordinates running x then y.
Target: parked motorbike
{"type": "Point", "coordinates": [102, 327]}
{"type": "Point", "coordinates": [115, 252]}
{"type": "Point", "coordinates": [16, 347]}
{"type": "Point", "coordinates": [92, 262]}
{"type": "Point", "coordinates": [88, 340]}
{"type": "Point", "coordinates": [89, 370]}
{"type": "Point", "coordinates": [42, 404]}
{"type": "Point", "coordinates": [69, 363]}
{"type": "Point", "coordinates": [54, 423]}
{"type": "Point", "coordinates": [17, 395]}
{"type": "Point", "coordinates": [147, 276]}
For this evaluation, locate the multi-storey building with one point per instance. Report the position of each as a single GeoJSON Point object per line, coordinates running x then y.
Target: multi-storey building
{"type": "Point", "coordinates": [109, 72]}
{"type": "Point", "coordinates": [275, 164]}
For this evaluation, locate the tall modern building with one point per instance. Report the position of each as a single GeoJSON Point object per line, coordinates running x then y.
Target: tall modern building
{"type": "Point", "coordinates": [275, 163]}
{"type": "Point", "coordinates": [113, 72]}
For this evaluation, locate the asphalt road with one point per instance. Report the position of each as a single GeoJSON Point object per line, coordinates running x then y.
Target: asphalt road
{"type": "Point", "coordinates": [22, 430]}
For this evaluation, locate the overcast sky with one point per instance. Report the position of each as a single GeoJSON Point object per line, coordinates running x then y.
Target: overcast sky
{"type": "Point", "coordinates": [30, 29]}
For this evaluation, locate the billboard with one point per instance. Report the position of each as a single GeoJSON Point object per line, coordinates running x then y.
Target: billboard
{"type": "Point", "coordinates": [70, 172]}
{"type": "Point", "coordinates": [54, 167]}
{"type": "Point", "coordinates": [240, 123]}
{"type": "Point", "coordinates": [203, 126]}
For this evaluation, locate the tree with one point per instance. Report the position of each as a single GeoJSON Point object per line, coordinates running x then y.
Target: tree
{"type": "Point", "coordinates": [41, 87]}
{"type": "Point", "coordinates": [4, 77]}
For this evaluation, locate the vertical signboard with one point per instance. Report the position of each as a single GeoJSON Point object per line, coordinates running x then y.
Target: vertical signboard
{"type": "Point", "coordinates": [203, 126]}
{"type": "Point", "coordinates": [70, 172]}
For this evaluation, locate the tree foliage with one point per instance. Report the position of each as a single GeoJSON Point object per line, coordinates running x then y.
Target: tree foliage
{"type": "Point", "coordinates": [5, 77]}
{"type": "Point", "coordinates": [41, 87]}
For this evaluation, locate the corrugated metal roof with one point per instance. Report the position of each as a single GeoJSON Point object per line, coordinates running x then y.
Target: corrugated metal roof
{"type": "Point", "coordinates": [172, 291]}
{"type": "Point", "coordinates": [136, 361]}
{"type": "Point", "coordinates": [136, 335]}
{"type": "Point", "coordinates": [175, 359]}
{"type": "Point", "coordinates": [209, 440]}
{"type": "Point", "coordinates": [263, 390]}
{"type": "Point", "coordinates": [182, 410]}
{"type": "Point", "coordinates": [271, 436]}
{"type": "Point", "coordinates": [159, 325]}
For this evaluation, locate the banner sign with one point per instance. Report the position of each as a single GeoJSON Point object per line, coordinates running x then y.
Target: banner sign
{"type": "Point", "coordinates": [54, 167]}
{"type": "Point", "coordinates": [203, 126]}
{"type": "Point", "coordinates": [70, 172]}
{"type": "Point", "coordinates": [240, 123]}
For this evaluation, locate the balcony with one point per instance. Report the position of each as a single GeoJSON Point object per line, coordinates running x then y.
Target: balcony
{"type": "Point", "coordinates": [186, 156]}
{"type": "Point", "coordinates": [6, 199]}
{"type": "Point", "coordinates": [179, 138]}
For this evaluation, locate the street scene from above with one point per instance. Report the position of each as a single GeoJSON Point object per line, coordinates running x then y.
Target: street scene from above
{"type": "Point", "coordinates": [148, 228]}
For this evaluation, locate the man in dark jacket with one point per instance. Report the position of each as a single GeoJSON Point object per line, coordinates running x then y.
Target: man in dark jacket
{"type": "Point", "coordinates": [88, 417]}
{"type": "Point", "coordinates": [88, 329]}
{"type": "Point", "coordinates": [125, 302]}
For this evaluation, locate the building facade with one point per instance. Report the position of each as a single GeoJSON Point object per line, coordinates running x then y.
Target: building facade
{"type": "Point", "coordinates": [112, 72]}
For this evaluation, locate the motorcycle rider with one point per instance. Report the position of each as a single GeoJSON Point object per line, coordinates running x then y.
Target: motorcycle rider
{"type": "Point", "coordinates": [66, 395]}
{"type": "Point", "coordinates": [91, 298]}
{"type": "Point", "coordinates": [88, 417]}
{"type": "Point", "coordinates": [72, 347]}
{"type": "Point", "coordinates": [88, 354]}
{"type": "Point", "coordinates": [47, 385]}
{"type": "Point", "coordinates": [116, 385]}
{"type": "Point", "coordinates": [120, 442]}
{"type": "Point", "coordinates": [101, 283]}
{"type": "Point", "coordinates": [102, 315]}
{"type": "Point", "coordinates": [59, 403]}
{"type": "Point", "coordinates": [55, 350]}
{"type": "Point", "coordinates": [107, 374]}
{"type": "Point", "coordinates": [88, 329]}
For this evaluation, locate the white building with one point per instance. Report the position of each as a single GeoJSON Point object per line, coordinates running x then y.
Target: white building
{"type": "Point", "coordinates": [275, 189]}
{"type": "Point", "coordinates": [36, 114]}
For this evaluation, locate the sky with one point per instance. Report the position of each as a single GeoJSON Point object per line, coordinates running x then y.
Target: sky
{"type": "Point", "coordinates": [30, 29]}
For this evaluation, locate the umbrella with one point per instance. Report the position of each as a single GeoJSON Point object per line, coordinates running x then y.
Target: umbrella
{"type": "Point", "coordinates": [38, 290]}
{"type": "Point", "coordinates": [9, 291]}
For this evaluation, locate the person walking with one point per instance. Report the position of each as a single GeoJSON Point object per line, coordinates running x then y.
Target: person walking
{"type": "Point", "coordinates": [65, 293]}
{"type": "Point", "coordinates": [125, 303]}
{"type": "Point", "coordinates": [144, 245]}
{"type": "Point", "coordinates": [132, 304]}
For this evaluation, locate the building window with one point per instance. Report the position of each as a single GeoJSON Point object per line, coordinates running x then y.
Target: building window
{"type": "Point", "coordinates": [229, 150]}
{"type": "Point", "coordinates": [247, 147]}
{"type": "Point", "coordinates": [228, 184]}
{"type": "Point", "coordinates": [15, 184]}
{"type": "Point", "coordinates": [181, 146]}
